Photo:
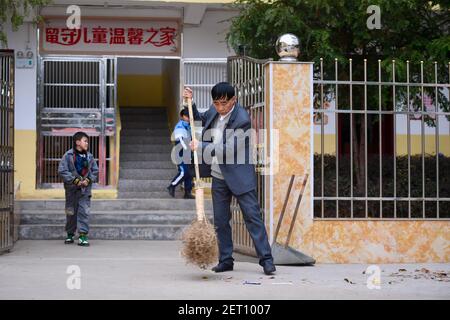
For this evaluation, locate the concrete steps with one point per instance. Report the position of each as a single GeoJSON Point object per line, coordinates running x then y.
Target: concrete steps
{"type": "Point", "coordinates": [148, 195]}
{"type": "Point", "coordinates": [133, 140]}
{"type": "Point", "coordinates": [143, 185]}
{"type": "Point", "coordinates": [144, 132]}
{"type": "Point", "coordinates": [145, 153]}
{"type": "Point", "coordinates": [146, 174]}
{"type": "Point", "coordinates": [137, 156]}
{"type": "Point", "coordinates": [115, 204]}
{"type": "Point", "coordinates": [143, 124]}
{"type": "Point", "coordinates": [149, 164]}
{"type": "Point", "coordinates": [118, 219]}
{"type": "Point", "coordinates": [105, 232]}
{"type": "Point", "coordinates": [144, 210]}
{"type": "Point", "coordinates": [138, 217]}
{"type": "Point", "coordinates": [146, 148]}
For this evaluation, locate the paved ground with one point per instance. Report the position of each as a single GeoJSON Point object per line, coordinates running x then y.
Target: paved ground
{"type": "Point", "coordinates": [154, 270]}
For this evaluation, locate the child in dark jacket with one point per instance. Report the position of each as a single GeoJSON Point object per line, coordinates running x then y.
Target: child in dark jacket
{"type": "Point", "coordinates": [79, 171]}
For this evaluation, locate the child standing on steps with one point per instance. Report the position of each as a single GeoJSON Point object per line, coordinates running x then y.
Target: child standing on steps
{"type": "Point", "coordinates": [182, 136]}
{"type": "Point", "coordinates": [79, 171]}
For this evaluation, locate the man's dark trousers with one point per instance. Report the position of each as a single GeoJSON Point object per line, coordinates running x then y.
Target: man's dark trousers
{"type": "Point", "coordinates": [248, 202]}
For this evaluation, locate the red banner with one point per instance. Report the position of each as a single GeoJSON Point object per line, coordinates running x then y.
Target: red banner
{"type": "Point", "coordinates": [107, 36]}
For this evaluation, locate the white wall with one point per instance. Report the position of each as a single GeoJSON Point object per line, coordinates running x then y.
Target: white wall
{"type": "Point", "coordinates": [401, 125]}
{"type": "Point", "coordinates": [208, 39]}
{"type": "Point", "coordinates": [25, 79]}
{"type": "Point", "coordinates": [204, 41]}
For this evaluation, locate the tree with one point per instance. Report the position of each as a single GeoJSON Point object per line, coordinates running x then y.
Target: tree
{"type": "Point", "coordinates": [14, 12]}
{"type": "Point", "coordinates": [413, 30]}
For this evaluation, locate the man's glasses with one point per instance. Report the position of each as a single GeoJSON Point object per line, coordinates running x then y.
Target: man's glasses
{"type": "Point", "coordinates": [221, 103]}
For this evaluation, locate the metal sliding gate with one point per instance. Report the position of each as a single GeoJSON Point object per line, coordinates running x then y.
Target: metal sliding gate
{"type": "Point", "coordinates": [6, 149]}
{"type": "Point", "coordinates": [75, 94]}
{"type": "Point", "coordinates": [201, 75]}
{"type": "Point", "coordinates": [247, 76]}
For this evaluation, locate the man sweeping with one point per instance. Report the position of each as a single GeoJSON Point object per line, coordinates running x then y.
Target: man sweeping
{"type": "Point", "coordinates": [229, 176]}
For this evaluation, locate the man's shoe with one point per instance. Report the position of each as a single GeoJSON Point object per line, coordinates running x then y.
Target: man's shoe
{"type": "Point", "coordinates": [69, 238]}
{"type": "Point", "coordinates": [269, 268]}
{"type": "Point", "coordinates": [171, 190]}
{"type": "Point", "coordinates": [188, 195]}
{"type": "Point", "coordinates": [83, 240]}
{"type": "Point", "coordinates": [221, 267]}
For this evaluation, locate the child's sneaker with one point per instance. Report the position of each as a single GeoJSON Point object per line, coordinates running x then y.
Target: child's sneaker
{"type": "Point", "coordinates": [69, 238]}
{"type": "Point", "coordinates": [83, 240]}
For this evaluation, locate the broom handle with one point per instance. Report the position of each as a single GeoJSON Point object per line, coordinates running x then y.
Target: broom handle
{"type": "Point", "coordinates": [199, 203]}
{"type": "Point", "coordinates": [191, 121]}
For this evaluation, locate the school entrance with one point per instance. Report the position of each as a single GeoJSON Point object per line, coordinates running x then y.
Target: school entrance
{"type": "Point", "coordinates": [127, 100]}
{"type": "Point", "coordinates": [114, 79]}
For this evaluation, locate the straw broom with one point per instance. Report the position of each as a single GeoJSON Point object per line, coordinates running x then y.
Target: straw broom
{"type": "Point", "coordinates": [199, 239]}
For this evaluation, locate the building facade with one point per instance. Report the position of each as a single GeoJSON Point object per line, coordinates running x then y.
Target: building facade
{"type": "Point", "coordinates": [126, 54]}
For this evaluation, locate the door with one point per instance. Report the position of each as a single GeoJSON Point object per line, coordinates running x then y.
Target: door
{"type": "Point", "coordinates": [75, 94]}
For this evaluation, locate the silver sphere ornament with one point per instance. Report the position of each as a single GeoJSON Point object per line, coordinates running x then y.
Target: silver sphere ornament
{"type": "Point", "coordinates": [288, 47]}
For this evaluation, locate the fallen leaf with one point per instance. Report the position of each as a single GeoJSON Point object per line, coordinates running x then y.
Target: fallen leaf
{"type": "Point", "coordinates": [349, 281]}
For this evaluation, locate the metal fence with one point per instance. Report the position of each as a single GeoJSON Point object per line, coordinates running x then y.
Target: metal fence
{"type": "Point", "coordinates": [75, 94]}
{"type": "Point", "coordinates": [381, 140]}
{"type": "Point", "coordinates": [201, 75]}
{"type": "Point", "coordinates": [247, 76]}
{"type": "Point", "coordinates": [6, 149]}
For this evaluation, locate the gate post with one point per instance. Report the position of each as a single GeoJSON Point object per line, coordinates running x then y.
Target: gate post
{"type": "Point", "coordinates": [7, 217]}
{"type": "Point", "coordinates": [289, 123]}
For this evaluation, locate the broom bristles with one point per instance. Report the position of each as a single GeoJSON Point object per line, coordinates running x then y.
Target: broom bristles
{"type": "Point", "coordinates": [199, 239]}
{"type": "Point", "coordinates": [200, 244]}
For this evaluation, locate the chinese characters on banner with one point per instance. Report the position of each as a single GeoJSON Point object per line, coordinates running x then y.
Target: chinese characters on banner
{"type": "Point", "coordinates": [107, 36]}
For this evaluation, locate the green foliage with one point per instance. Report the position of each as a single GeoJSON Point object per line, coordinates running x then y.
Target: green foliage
{"type": "Point", "coordinates": [14, 12]}
{"type": "Point", "coordinates": [411, 29]}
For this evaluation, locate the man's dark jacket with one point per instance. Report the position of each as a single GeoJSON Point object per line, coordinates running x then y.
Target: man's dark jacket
{"type": "Point", "coordinates": [239, 176]}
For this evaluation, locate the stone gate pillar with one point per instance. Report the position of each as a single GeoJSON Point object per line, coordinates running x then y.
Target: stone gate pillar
{"type": "Point", "coordinates": [289, 184]}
